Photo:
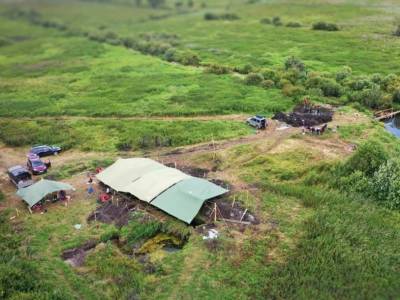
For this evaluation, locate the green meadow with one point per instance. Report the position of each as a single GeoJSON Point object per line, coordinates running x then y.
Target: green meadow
{"type": "Point", "coordinates": [118, 78]}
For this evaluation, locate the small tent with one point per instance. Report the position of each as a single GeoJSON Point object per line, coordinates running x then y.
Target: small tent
{"type": "Point", "coordinates": [37, 191]}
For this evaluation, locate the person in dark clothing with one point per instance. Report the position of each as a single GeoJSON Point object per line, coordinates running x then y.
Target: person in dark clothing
{"type": "Point", "coordinates": [47, 163]}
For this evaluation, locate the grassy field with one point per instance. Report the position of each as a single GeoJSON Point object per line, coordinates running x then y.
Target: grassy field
{"type": "Point", "coordinates": [105, 79]}
{"type": "Point", "coordinates": [67, 75]}
{"type": "Point", "coordinates": [366, 26]}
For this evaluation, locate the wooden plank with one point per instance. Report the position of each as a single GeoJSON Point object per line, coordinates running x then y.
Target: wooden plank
{"type": "Point", "coordinates": [387, 116]}
{"type": "Point", "coordinates": [236, 221]}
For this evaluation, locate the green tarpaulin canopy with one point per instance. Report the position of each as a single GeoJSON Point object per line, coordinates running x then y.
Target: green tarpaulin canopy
{"type": "Point", "coordinates": [169, 189]}
{"type": "Point", "coordinates": [184, 199]}
{"type": "Point", "coordinates": [37, 191]}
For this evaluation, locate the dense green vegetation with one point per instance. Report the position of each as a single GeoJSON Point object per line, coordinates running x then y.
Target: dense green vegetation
{"type": "Point", "coordinates": [75, 76]}
{"type": "Point", "coordinates": [113, 134]}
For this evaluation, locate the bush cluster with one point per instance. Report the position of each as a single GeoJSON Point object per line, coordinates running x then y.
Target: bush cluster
{"type": "Point", "coordinates": [277, 21]}
{"type": "Point", "coordinates": [372, 173]}
{"type": "Point", "coordinates": [217, 69]}
{"type": "Point", "coordinates": [226, 16]}
{"type": "Point", "coordinates": [254, 79]}
{"type": "Point", "coordinates": [293, 24]}
{"type": "Point", "coordinates": [325, 26]}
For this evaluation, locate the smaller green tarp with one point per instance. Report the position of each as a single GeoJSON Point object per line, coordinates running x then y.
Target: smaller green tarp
{"type": "Point", "coordinates": [184, 199]}
{"type": "Point", "coordinates": [37, 191]}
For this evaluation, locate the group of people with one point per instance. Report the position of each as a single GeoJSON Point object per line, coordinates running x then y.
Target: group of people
{"type": "Point", "coordinates": [315, 130]}
{"type": "Point", "coordinates": [53, 197]}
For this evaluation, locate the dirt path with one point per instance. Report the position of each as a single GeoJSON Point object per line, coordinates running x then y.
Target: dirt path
{"type": "Point", "coordinates": [273, 133]}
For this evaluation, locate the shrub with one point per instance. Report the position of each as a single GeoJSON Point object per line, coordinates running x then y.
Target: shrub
{"type": "Point", "coordinates": [129, 42]}
{"type": "Point", "coordinates": [210, 16]}
{"type": "Point", "coordinates": [371, 98]}
{"type": "Point", "coordinates": [377, 78]}
{"type": "Point", "coordinates": [270, 74]}
{"type": "Point", "coordinates": [397, 31]}
{"type": "Point", "coordinates": [4, 42]}
{"type": "Point", "coordinates": [227, 16]}
{"type": "Point", "coordinates": [325, 26]}
{"type": "Point", "coordinates": [246, 69]}
{"type": "Point", "coordinates": [187, 58]}
{"type": "Point", "coordinates": [291, 90]}
{"type": "Point", "coordinates": [268, 83]}
{"type": "Point", "coordinates": [343, 74]}
{"type": "Point", "coordinates": [230, 17]}
{"type": "Point", "coordinates": [385, 184]}
{"type": "Point", "coordinates": [294, 63]}
{"type": "Point", "coordinates": [360, 84]}
{"type": "Point", "coordinates": [217, 69]}
{"type": "Point", "coordinates": [293, 24]}
{"type": "Point", "coordinates": [315, 92]}
{"type": "Point", "coordinates": [281, 83]}
{"type": "Point", "coordinates": [396, 96]}
{"type": "Point", "coordinates": [331, 88]}
{"type": "Point", "coordinates": [254, 79]}
{"type": "Point", "coordinates": [356, 182]}
{"type": "Point", "coordinates": [367, 159]}
{"type": "Point", "coordinates": [277, 21]}
{"type": "Point", "coordinates": [170, 54]}
{"type": "Point", "coordinates": [265, 21]}
{"type": "Point", "coordinates": [293, 75]}
{"type": "Point", "coordinates": [390, 83]}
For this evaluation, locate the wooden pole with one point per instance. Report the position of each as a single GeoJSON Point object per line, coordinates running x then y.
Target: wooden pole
{"type": "Point", "coordinates": [233, 202]}
{"type": "Point", "coordinates": [243, 215]}
{"type": "Point", "coordinates": [215, 212]}
{"type": "Point", "coordinates": [213, 144]}
{"type": "Point", "coordinates": [17, 211]}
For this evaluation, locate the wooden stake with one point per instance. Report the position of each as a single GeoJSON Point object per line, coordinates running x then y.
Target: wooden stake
{"type": "Point", "coordinates": [213, 144]}
{"type": "Point", "coordinates": [215, 212]}
{"type": "Point", "coordinates": [30, 210]}
{"type": "Point", "coordinates": [243, 215]}
{"type": "Point", "coordinates": [17, 211]}
{"type": "Point", "coordinates": [233, 202]}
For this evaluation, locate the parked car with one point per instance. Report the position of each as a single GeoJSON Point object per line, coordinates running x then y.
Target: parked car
{"type": "Point", "coordinates": [258, 122]}
{"type": "Point", "coordinates": [20, 176]}
{"type": "Point", "coordinates": [45, 150]}
{"type": "Point", "coordinates": [36, 165]}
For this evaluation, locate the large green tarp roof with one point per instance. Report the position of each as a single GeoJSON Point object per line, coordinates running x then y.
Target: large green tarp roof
{"type": "Point", "coordinates": [184, 199]}
{"type": "Point", "coordinates": [169, 189]}
{"type": "Point", "coordinates": [37, 191]}
{"type": "Point", "coordinates": [142, 177]}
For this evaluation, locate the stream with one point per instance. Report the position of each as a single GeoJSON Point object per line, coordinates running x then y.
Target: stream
{"type": "Point", "coordinates": [393, 126]}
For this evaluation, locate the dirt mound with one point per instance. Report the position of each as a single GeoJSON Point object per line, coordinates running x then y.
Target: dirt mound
{"type": "Point", "coordinates": [113, 213]}
{"type": "Point", "coordinates": [193, 171]}
{"type": "Point", "coordinates": [76, 256]}
{"type": "Point", "coordinates": [306, 115]}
